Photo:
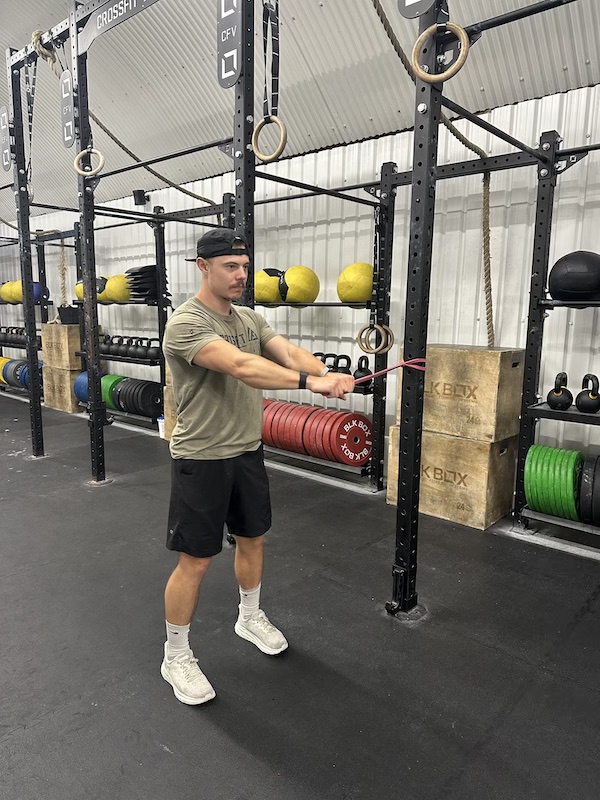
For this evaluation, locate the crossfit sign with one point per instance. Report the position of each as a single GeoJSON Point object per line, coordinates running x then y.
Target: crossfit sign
{"type": "Point", "coordinates": [414, 8]}
{"type": "Point", "coordinates": [107, 16]}
{"type": "Point", "coordinates": [67, 113]}
{"type": "Point", "coordinates": [5, 140]}
{"type": "Point", "coordinates": [229, 42]}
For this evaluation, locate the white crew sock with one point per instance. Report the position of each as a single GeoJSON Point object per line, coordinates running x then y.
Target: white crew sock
{"type": "Point", "coordinates": [177, 639]}
{"type": "Point", "coordinates": [249, 601]}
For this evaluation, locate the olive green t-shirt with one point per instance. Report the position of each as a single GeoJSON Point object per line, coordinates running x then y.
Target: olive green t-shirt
{"type": "Point", "coordinates": [218, 416]}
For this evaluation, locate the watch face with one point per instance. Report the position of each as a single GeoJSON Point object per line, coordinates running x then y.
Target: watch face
{"type": "Point", "coordinates": [414, 8]}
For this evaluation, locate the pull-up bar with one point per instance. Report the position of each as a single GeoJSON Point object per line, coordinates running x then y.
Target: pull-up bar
{"type": "Point", "coordinates": [513, 16]}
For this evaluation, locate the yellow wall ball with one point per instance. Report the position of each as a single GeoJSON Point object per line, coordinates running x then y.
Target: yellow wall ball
{"type": "Point", "coordinates": [100, 289]}
{"type": "Point", "coordinates": [6, 291]}
{"type": "Point", "coordinates": [17, 292]}
{"type": "Point", "coordinates": [299, 284]}
{"type": "Point", "coordinates": [117, 289]}
{"type": "Point", "coordinates": [266, 286]}
{"type": "Point", "coordinates": [355, 283]}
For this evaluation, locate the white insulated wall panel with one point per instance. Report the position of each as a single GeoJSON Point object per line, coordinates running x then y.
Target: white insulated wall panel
{"type": "Point", "coordinates": [327, 234]}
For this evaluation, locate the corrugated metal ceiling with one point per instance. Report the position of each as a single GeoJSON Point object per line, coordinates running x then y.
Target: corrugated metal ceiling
{"type": "Point", "coordinates": [153, 82]}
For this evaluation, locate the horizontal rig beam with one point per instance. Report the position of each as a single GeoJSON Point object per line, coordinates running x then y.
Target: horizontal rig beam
{"type": "Point", "coordinates": [316, 189]}
{"type": "Point", "coordinates": [189, 151]}
{"type": "Point", "coordinates": [487, 126]}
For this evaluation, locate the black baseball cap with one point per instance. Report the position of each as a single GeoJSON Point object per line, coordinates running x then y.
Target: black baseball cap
{"type": "Point", "coordinates": [221, 242]}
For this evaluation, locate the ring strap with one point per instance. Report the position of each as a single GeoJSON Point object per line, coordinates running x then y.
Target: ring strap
{"type": "Point", "coordinates": [271, 20]}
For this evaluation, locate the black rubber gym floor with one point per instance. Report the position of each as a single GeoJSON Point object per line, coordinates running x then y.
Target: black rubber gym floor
{"type": "Point", "coordinates": [494, 696]}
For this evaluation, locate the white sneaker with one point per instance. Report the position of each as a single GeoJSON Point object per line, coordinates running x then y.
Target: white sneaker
{"type": "Point", "coordinates": [190, 684]}
{"type": "Point", "coordinates": [262, 633]}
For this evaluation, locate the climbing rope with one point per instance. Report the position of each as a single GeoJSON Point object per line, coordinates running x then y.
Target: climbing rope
{"type": "Point", "coordinates": [487, 263]}
{"type": "Point", "coordinates": [49, 56]}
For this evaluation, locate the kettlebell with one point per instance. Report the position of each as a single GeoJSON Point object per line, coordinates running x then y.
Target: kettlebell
{"type": "Point", "coordinates": [342, 364]}
{"type": "Point", "coordinates": [2, 335]}
{"type": "Point", "coordinates": [142, 349]}
{"type": "Point", "coordinates": [124, 347]}
{"type": "Point", "coordinates": [132, 351]}
{"type": "Point", "coordinates": [154, 352]}
{"type": "Point", "coordinates": [115, 344]}
{"type": "Point", "coordinates": [321, 356]}
{"type": "Point", "coordinates": [362, 372]}
{"type": "Point", "coordinates": [332, 357]}
{"type": "Point", "coordinates": [588, 400]}
{"type": "Point", "coordinates": [105, 344]}
{"type": "Point", "coordinates": [560, 398]}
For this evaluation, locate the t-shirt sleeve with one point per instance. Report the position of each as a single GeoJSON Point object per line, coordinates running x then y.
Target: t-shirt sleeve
{"type": "Point", "coordinates": [186, 335]}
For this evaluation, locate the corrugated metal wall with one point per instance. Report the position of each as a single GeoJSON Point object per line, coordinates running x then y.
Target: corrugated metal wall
{"type": "Point", "coordinates": [327, 234]}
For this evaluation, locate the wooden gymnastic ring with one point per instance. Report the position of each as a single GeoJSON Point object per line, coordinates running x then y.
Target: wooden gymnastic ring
{"type": "Point", "coordinates": [88, 173]}
{"type": "Point", "coordinates": [440, 77]}
{"type": "Point", "coordinates": [364, 336]}
{"type": "Point", "coordinates": [266, 159]}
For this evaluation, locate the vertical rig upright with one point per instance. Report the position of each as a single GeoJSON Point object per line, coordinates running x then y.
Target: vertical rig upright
{"type": "Point", "coordinates": [158, 228]}
{"type": "Point", "coordinates": [380, 305]}
{"type": "Point", "coordinates": [427, 119]}
{"type": "Point", "coordinates": [21, 190]}
{"type": "Point", "coordinates": [547, 177]}
{"type": "Point", "coordinates": [86, 185]}
{"type": "Point", "coordinates": [244, 160]}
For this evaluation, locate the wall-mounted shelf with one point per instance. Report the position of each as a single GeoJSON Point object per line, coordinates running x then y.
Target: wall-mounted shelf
{"type": "Point", "coordinates": [314, 305]}
{"type": "Point", "coordinates": [147, 362]}
{"type": "Point", "coordinates": [543, 411]}
{"type": "Point", "coordinates": [563, 523]}
{"type": "Point", "coordinates": [569, 303]}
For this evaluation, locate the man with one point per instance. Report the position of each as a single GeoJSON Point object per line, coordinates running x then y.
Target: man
{"type": "Point", "coordinates": [221, 357]}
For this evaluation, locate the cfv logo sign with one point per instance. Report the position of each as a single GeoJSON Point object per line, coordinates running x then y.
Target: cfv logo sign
{"type": "Point", "coordinates": [229, 42]}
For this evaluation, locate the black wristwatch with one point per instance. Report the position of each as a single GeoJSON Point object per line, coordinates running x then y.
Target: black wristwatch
{"type": "Point", "coordinates": [302, 381]}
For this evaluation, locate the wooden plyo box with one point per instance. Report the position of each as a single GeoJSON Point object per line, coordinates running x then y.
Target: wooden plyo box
{"type": "Point", "coordinates": [462, 480]}
{"type": "Point", "coordinates": [59, 345]}
{"type": "Point", "coordinates": [58, 388]}
{"type": "Point", "coordinates": [169, 412]}
{"type": "Point", "coordinates": [472, 392]}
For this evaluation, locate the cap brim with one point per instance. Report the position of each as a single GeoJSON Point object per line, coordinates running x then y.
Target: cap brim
{"type": "Point", "coordinates": [191, 259]}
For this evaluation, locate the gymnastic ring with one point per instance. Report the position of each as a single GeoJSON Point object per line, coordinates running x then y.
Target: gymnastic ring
{"type": "Point", "coordinates": [440, 77]}
{"type": "Point", "coordinates": [364, 336]}
{"type": "Point", "coordinates": [88, 173]}
{"type": "Point", "coordinates": [266, 159]}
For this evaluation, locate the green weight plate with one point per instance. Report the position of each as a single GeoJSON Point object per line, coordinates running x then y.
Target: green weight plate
{"type": "Point", "coordinates": [550, 482]}
{"type": "Point", "coordinates": [565, 479]}
{"type": "Point", "coordinates": [561, 473]}
{"type": "Point", "coordinates": [541, 472]}
{"type": "Point", "coordinates": [536, 456]}
{"type": "Point", "coordinates": [527, 477]}
{"type": "Point", "coordinates": [109, 383]}
{"type": "Point", "coordinates": [535, 480]}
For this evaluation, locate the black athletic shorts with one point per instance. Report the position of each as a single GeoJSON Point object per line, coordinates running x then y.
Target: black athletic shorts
{"type": "Point", "coordinates": [206, 495]}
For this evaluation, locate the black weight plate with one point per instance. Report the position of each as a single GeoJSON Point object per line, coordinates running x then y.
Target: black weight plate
{"type": "Point", "coordinates": [121, 394]}
{"type": "Point", "coordinates": [141, 270]}
{"type": "Point", "coordinates": [596, 495]}
{"type": "Point", "coordinates": [151, 399]}
{"type": "Point", "coordinates": [131, 392]}
{"type": "Point", "coordinates": [137, 398]}
{"type": "Point", "coordinates": [586, 493]}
